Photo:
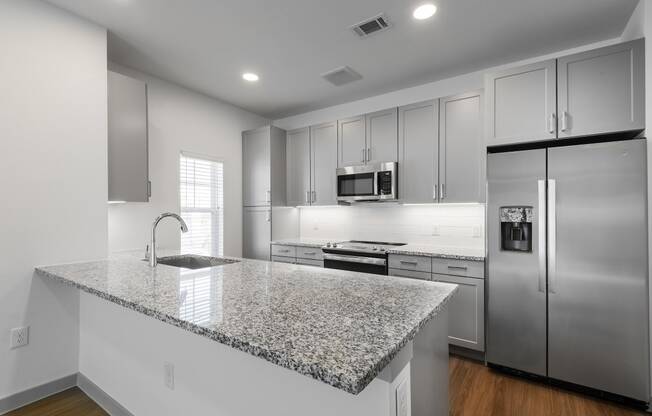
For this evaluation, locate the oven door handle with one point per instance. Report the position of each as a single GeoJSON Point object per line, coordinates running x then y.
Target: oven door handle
{"type": "Point", "coordinates": [355, 259]}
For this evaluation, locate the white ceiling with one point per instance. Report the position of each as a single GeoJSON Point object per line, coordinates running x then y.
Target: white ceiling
{"type": "Point", "coordinates": [206, 44]}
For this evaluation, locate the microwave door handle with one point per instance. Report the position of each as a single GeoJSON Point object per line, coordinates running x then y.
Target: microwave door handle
{"type": "Point", "coordinates": [376, 183]}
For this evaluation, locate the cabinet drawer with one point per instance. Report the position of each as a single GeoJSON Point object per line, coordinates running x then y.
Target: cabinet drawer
{"type": "Point", "coordinates": [310, 253]}
{"type": "Point", "coordinates": [285, 251]}
{"type": "Point", "coordinates": [414, 263]}
{"type": "Point", "coordinates": [464, 268]}
{"type": "Point", "coordinates": [281, 259]}
{"type": "Point", "coordinates": [410, 274]}
{"type": "Point", "coordinates": [465, 312]}
{"type": "Point", "coordinates": [308, 262]}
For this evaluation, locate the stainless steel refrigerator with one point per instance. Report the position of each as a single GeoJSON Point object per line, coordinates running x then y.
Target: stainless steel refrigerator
{"type": "Point", "coordinates": [568, 271]}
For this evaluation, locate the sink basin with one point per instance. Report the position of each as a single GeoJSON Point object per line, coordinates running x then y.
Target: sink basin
{"type": "Point", "coordinates": [193, 261]}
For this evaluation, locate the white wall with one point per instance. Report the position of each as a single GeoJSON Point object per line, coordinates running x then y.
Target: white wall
{"type": "Point", "coordinates": [445, 225]}
{"type": "Point", "coordinates": [53, 177]}
{"type": "Point", "coordinates": [180, 119]}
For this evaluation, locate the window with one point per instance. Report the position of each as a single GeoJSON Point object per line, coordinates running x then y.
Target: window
{"type": "Point", "coordinates": [201, 190]}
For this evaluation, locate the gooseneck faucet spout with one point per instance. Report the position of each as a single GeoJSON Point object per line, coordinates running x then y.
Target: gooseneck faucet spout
{"type": "Point", "coordinates": [152, 253]}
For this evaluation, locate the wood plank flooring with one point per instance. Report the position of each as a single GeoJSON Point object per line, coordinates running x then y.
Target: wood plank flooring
{"type": "Point", "coordinates": [72, 402]}
{"type": "Point", "coordinates": [475, 390]}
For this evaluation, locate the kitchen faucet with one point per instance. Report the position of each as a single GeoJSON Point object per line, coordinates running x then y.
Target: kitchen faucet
{"type": "Point", "coordinates": [152, 254]}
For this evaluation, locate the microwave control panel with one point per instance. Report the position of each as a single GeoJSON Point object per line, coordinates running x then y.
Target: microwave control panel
{"type": "Point", "coordinates": [385, 183]}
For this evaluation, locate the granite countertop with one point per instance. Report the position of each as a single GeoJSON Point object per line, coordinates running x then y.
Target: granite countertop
{"type": "Point", "coordinates": [305, 242]}
{"type": "Point", "coordinates": [439, 252]}
{"type": "Point", "coordinates": [336, 326]}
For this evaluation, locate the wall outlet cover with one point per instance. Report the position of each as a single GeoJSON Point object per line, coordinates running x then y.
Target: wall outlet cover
{"type": "Point", "coordinates": [19, 337]}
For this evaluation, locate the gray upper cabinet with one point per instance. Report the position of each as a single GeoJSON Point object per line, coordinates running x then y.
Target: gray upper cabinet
{"type": "Point", "coordinates": [602, 90]}
{"type": "Point", "coordinates": [264, 167]}
{"type": "Point", "coordinates": [128, 170]}
{"type": "Point", "coordinates": [256, 164]}
{"type": "Point", "coordinates": [323, 143]}
{"type": "Point", "coordinates": [521, 104]}
{"type": "Point", "coordinates": [461, 148]}
{"type": "Point", "coordinates": [418, 152]}
{"type": "Point", "coordinates": [298, 167]}
{"type": "Point", "coordinates": [381, 132]}
{"type": "Point", "coordinates": [351, 141]}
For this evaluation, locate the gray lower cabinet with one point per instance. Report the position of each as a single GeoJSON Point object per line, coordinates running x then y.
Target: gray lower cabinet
{"type": "Point", "coordinates": [298, 167]}
{"type": "Point", "coordinates": [418, 152]}
{"type": "Point", "coordinates": [410, 274]}
{"type": "Point", "coordinates": [521, 104]}
{"type": "Point", "coordinates": [307, 256]}
{"type": "Point", "coordinates": [128, 171]}
{"type": "Point", "coordinates": [461, 148]}
{"type": "Point", "coordinates": [381, 129]}
{"type": "Point", "coordinates": [323, 163]}
{"type": "Point", "coordinates": [351, 141]}
{"type": "Point", "coordinates": [257, 233]}
{"type": "Point", "coordinates": [466, 311]}
{"type": "Point", "coordinates": [602, 90]}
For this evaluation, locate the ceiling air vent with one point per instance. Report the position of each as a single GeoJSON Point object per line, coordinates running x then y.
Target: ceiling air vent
{"type": "Point", "coordinates": [374, 25]}
{"type": "Point", "coordinates": [340, 76]}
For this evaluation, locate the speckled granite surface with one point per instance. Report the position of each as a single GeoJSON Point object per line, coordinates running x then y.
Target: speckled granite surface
{"type": "Point", "coordinates": [305, 242]}
{"type": "Point", "coordinates": [339, 327]}
{"type": "Point", "coordinates": [444, 253]}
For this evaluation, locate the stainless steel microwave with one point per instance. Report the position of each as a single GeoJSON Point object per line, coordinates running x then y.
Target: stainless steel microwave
{"type": "Point", "coordinates": [373, 182]}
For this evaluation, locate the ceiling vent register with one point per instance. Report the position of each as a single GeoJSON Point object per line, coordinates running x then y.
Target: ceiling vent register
{"type": "Point", "coordinates": [342, 75]}
{"type": "Point", "coordinates": [373, 25]}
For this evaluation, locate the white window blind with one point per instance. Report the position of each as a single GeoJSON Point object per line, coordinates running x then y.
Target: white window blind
{"type": "Point", "coordinates": [201, 190]}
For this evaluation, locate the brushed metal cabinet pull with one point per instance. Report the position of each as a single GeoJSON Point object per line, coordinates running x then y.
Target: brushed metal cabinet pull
{"type": "Point", "coordinates": [368, 154]}
{"type": "Point", "coordinates": [434, 192]}
{"type": "Point", "coordinates": [307, 197]}
{"type": "Point", "coordinates": [314, 196]}
{"type": "Point", "coordinates": [564, 121]}
{"type": "Point", "coordinates": [442, 191]}
{"type": "Point", "coordinates": [458, 267]}
{"type": "Point", "coordinates": [409, 262]}
{"type": "Point", "coordinates": [363, 154]}
{"type": "Point", "coordinates": [552, 123]}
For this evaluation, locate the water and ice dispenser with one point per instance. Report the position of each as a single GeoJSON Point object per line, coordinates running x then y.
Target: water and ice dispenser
{"type": "Point", "coordinates": [516, 229]}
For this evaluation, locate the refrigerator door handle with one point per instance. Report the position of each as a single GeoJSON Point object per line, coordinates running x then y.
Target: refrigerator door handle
{"type": "Point", "coordinates": [542, 234]}
{"type": "Point", "coordinates": [552, 235]}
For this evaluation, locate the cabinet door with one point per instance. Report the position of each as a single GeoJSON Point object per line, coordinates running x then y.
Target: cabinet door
{"type": "Point", "coordinates": [466, 312]}
{"type": "Point", "coordinates": [298, 167]}
{"type": "Point", "coordinates": [418, 151]}
{"type": "Point", "coordinates": [351, 146]}
{"type": "Point", "coordinates": [257, 233]}
{"type": "Point", "coordinates": [521, 104]}
{"type": "Point", "coordinates": [602, 91]}
{"type": "Point", "coordinates": [382, 136]}
{"type": "Point", "coordinates": [461, 151]}
{"type": "Point", "coordinates": [324, 163]}
{"type": "Point", "coordinates": [256, 168]}
{"type": "Point", "coordinates": [127, 145]}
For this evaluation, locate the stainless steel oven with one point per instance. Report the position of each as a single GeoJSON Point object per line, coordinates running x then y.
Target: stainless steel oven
{"type": "Point", "coordinates": [373, 182]}
{"type": "Point", "coordinates": [358, 256]}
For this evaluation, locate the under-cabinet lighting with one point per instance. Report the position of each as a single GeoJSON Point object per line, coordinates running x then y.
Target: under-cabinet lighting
{"type": "Point", "coordinates": [117, 202]}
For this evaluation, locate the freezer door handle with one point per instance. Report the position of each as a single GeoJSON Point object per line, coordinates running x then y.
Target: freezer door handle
{"type": "Point", "coordinates": [542, 234]}
{"type": "Point", "coordinates": [552, 235]}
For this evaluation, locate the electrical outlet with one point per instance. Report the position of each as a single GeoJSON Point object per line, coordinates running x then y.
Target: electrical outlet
{"type": "Point", "coordinates": [168, 375]}
{"type": "Point", "coordinates": [435, 230]}
{"type": "Point", "coordinates": [19, 337]}
{"type": "Point", "coordinates": [477, 232]}
{"type": "Point", "coordinates": [402, 399]}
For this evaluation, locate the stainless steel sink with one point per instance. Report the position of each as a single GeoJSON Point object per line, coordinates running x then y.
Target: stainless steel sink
{"type": "Point", "coordinates": [193, 261]}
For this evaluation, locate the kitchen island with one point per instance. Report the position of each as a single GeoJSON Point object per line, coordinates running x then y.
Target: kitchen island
{"type": "Point", "coordinates": [367, 343]}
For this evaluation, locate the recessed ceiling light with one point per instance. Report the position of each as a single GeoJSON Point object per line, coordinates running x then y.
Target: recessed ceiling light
{"type": "Point", "coordinates": [425, 11]}
{"type": "Point", "coordinates": [250, 76]}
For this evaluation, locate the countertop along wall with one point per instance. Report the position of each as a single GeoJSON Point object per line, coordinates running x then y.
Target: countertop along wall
{"type": "Point", "coordinates": [53, 177]}
{"type": "Point", "coordinates": [180, 119]}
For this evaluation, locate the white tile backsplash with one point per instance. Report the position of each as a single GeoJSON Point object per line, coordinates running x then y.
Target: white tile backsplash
{"type": "Point", "coordinates": [445, 225]}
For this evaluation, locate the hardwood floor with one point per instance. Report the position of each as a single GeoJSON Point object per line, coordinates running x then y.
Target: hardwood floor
{"type": "Point", "coordinates": [475, 390]}
{"type": "Point", "coordinates": [72, 402]}
{"type": "Point", "coordinates": [478, 390]}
